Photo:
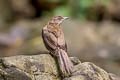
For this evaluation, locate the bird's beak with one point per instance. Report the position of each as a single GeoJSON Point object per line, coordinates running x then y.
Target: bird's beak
{"type": "Point", "coordinates": [65, 18]}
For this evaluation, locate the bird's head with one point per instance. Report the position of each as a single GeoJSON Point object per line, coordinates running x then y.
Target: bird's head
{"type": "Point", "coordinates": [58, 19]}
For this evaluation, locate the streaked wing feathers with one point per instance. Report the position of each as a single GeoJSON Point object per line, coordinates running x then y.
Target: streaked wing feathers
{"type": "Point", "coordinates": [49, 39]}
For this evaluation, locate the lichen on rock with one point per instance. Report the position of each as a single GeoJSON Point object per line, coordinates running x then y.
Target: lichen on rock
{"type": "Point", "coordinates": [44, 67]}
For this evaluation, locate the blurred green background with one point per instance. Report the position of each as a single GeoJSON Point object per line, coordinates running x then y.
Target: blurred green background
{"type": "Point", "coordinates": [92, 33]}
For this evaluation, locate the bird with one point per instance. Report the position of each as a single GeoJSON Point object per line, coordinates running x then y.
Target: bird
{"type": "Point", "coordinates": [53, 38]}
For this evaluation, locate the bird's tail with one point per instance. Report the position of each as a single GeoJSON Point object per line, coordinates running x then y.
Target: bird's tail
{"type": "Point", "coordinates": [64, 62]}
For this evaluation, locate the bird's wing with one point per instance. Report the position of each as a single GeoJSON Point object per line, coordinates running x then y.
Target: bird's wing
{"type": "Point", "coordinates": [65, 46]}
{"type": "Point", "coordinates": [61, 42]}
{"type": "Point", "coordinates": [49, 39]}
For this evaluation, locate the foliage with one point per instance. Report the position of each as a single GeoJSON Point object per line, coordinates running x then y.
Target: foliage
{"type": "Point", "coordinates": [80, 9]}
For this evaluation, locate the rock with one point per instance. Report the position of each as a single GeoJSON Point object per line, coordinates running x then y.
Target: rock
{"type": "Point", "coordinates": [114, 77]}
{"type": "Point", "coordinates": [75, 60]}
{"type": "Point", "coordinates": [43, 67]}
{"type": "Point", "coordinates": [88, 71]}
{"type": "Point", "coordinates": [37, 67]}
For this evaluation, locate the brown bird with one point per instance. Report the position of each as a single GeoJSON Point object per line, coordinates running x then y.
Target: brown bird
{"type": "Point", "coordinates": [54, 41]}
